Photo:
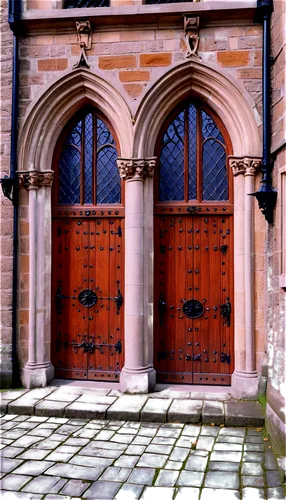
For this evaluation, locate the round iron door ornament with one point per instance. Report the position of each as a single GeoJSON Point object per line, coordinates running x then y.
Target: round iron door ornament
{"type": "Point", "coordinates": [193, 309]}
{"type": "Point", "coordinates": [87, 298]}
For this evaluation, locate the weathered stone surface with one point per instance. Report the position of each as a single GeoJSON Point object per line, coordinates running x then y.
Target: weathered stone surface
{"type": "Point", "coordinates": [213, 412]}
{"type": "Point", "coordinates": [152, 460]}
{"type": "Point", "coordinates": [205, 443]}
{"type": "Point", "coordinates": [97, 462]}
{"type": "Point", "coordinates": [219, 494]}
{"type": "Point", "coordinates": [167, 478]}
{"type": "Point", "coordinates": [158, 492]}
{"type": "Point", "coordinates": [255, 481]}
{"type": "Point", "coordinates": [142, 475]}
{"type": "Point", "coordinates": [251, 468]}
{"type": "Point", "coordinates": [159, 448]}
{"type": "Point", "coordinates": [179, 454]}
{"type": "Point", "coordinates": [227, 447]}
{"type": "Point", "coordinates": [185, 411]}
{"type": "Point", "coordinates": [186, 441]}
{"type": "Point", "coordinates": [11, 451]}
{"type": "Point", "coordinates": [44, 484]}
{"type": "Point", "coordinates": [244, 413]}
{"type": "Point", "coordinates": [230, 439]}
{"type": "Point", "coordinates": [224, 466]}
{"type": "Point", "coordinates": [196, 463]}
{"type": "Point", "coordinates": [155, 410]}
{"type": "Point", "coordinates": [9, 464]}
{"type": "Point", "coordinates": [253, 494]}
{"type": "Point", "coordinates": [273, 479]}
{"type": "Point", "coordinates": [170, 465]}
{"type": "Point", "coordinates": [51, 408]}
{"type": "Point", "coordinates": [126, 461]}
{"type": "Point", "coordinates": [223, 480]}
{"type": "Point", "coordinates": [209, 431]}
{"type": "Point", "coordinates": [118, 474]}
{"type": "Point", "coordinates": [74, 487]}
{"type": "Point", "coordinates": [34, 467]}
{"type": "Point", "coordinates": [126, 408]}
{"type": "Point", "coordinates": [13, 482]}
{"type": "Point", "coordinates": [190, 478]}
{"type": "Point", "coordinates": [226, 456]}
{"type": "Point", "coordinates": [252, 456]}
{"type": "Point", "coordinates": [275, 494]}
{"type": "Point", "coordinates": [86, 410]}
{"type": "Point", "coordinates": [129, 491]}
{"type": "Point", "coordinates": [188, 494]}
{"type": "Point", "coordinates": [75, 472]}
{"type": "Point", "coordinates": [102, 490]}
{"type": "Point", "coordinates": [270, 462]}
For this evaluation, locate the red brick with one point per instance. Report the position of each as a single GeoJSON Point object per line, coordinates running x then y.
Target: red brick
{"type": "Point", "coordinates": [232, 58]}
{"type": "Point", "coordinates": [134, 76]}
{"type": "Point", "coordinates": [52, 64]}
{"type": "Point", "coordinates": [133, 89]}
{"type": "Point", "coordinates": [163, 59]}
{"type": "Point", "coordinates": [114, 62]}
{"type": "Point", "coordinates": [249, 73]}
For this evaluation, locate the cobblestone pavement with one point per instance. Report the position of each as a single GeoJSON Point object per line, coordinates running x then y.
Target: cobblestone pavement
{"type": "Point", "coordinates": [55, 458]}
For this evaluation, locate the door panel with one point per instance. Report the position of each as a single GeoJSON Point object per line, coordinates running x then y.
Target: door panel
{"type": "Point", "coordinates": [193, 341]}
{"type": "Point", "coordinates": [87, 336]}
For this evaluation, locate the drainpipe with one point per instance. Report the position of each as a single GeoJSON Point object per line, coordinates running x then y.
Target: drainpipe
{"type": "Point", "coordinates": [9, 184]}
{"type": "Point", "coordinates": [266, 195]}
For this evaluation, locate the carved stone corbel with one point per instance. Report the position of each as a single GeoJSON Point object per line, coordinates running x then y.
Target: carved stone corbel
{"type": "Point", "coordinates": [246, 165]}
{"type": "Point", "coordinates": [136, 168]}
{"type": "Point", "coordinates": [84, 37]}
{"type": "Point", "coordinates": [34, 180]}
{"type": "Point", "coordinates": [191, 28]}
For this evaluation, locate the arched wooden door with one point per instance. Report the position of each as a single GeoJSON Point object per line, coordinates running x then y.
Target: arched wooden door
{"type": "Point", "coordinates": [88, 252]}
{"type": "Point", "coordinates": [194, 317]}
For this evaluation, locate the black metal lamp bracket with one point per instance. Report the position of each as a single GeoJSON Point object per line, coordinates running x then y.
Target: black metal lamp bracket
{"type": "Point", "coordinates": [8, 187]}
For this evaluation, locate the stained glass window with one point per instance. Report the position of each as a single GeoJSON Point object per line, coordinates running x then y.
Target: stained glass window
{"type": "Point", "coordinates": [193, 159]}
{"type": "Point", "coordinates": [87, 164]}
{"type": "Point", "coordinates": [77, 4]}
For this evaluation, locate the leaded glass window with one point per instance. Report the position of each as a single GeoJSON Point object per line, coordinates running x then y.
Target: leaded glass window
{"type": "Point", "coordinates": [87, 171]}
{"type": "Point", "coordinates": [192, 158]}
{"type": "Point", "coordinates": [78, 4]}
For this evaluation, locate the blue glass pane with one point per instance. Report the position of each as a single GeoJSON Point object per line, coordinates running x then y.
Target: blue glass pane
{"type": "Point", "coordinates": [88, 158]}
{"type": "Point", "coordinates": [104, 136]}
{"type": "Point", "coordinates": [210, 129]}
{"type": "Point", "coordinates": [172, 161]}
{"type": "Point", "coordinates": [192, 117]}
{"type": "Point", "coordinates": [108, 180]}
{"type": "Point", "coordinates": [69, 175]}
{"type": "Point", "coordinates": [73, 4]}
{"type": "Point", "coordinates": [75, 136]}
{"type": "Point", "coordinates": [215, 182]}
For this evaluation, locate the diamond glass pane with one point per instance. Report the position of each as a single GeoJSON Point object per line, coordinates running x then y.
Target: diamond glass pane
{"type": "Point", "coordinates": [69, 175]}
{"type": "Point", "coordinates": [75, 136]}
{"type": "Point", "coordinates": [215, 182]}
{"type": "Point", "coordinates": [108, 180]}
{"type": "Point", "coordinates": [192, 152]}
{"type": "Point", "coordinates": [172, 161]}
{"type": "Point", "coordinates": [210, 129]}
{"type": "Point", "coordinates": [104, 136]}
{"type": "Point", "coordinates": [76, 4]}
{"type": "Point", "coordinates": [88, 157]}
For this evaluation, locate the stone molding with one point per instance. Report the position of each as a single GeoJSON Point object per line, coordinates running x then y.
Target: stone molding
{"type": "Point", "coordinates": [34, 180]}
{"type": "Point", "coordinates": [246, 165]}
{"type": "Point", "coordinates": [136, 168]}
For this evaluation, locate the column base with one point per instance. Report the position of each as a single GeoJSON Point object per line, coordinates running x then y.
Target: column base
{"type": "Point", "coordinates": [139, 381]}
{"type": "Point", "coordinates": [37, 375]}
{"type": "Point", "coordinates": [244, 385]}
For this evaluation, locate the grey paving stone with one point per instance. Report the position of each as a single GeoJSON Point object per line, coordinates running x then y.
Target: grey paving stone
{"type": "Point", "coordinates": [86, 410]}
{"type": "Point", "coordinates": [223, 480]}
{"type": "Point", "coordinates": [75, 472]}
{"type": "Point", "coordinates": [107, 445]}
{"type": "Point", "coordinates": [142, 440]}
{"type": "Point", "coordinates": [6, 441]}
{"type": "Point", "coordinates": [102, 490]}
{"type": "Point", "coordinates": [34, 418]}
{"type": "Point", "coordinates": [188, 494]}
{"type": "Point", "coordinates": [122, 438]}
{"type": "Point", "coordinates": [126, 461]}
{"type": "Point", "coordinates": [8, 425]}
{"type": "Point", "coordinates": [270, 462]}
{"type": "Point", "coordinates": [130, 425]}
{"type": "Point", "coordinates": [253, 447]}
{"type": "Point", "coordinates": [196, 463]}
{"type": "Point", "coordinates": [244, 413]}
{"type": "Point", "coordinates": [147, 431]}
{"type": "Point", "coordinates": [68, 429]}
{"type": "Point", "coordinates": [12, 395]}
{"type": "Point", "coordinates": [273, 479]}
{"type": "Point", "coordinates": [86, 433]}
{"type": "Point", "coordinates": [9, 417]}
{"type": "Point", "coordinates": [213, 412]}
{"type": "Point", "coordinates": [44, 484]}
{"type": "Point", "coordinates": [186, 441]}
{"type": "Point", "coordinates": [232, 431]}
{"type": "Point", "coordinates": [185, 411]}
{"type": "Point", "coordinates": [230, 439]}
{"type": "Point", "coordinates": [152, 460]}
{"type": "Point", "coordinates": [159, 448]}
{"type": "Point", "coordinates": [135, 449]}
{"type": "Point", "coordinates": [212, 396]}
{"type": "Point", "coordinates": [25, 441]}
{"type": "Point", "coordinates": [22, 496]}
{"type": "Point", "coordinates": [179, 454]}
{"type": "Point", "coordinates": [158, 492]}
{"type": "Point", "coordinates": [275, 494]}
{"type": "Point", "coordinates": [68, 449]}
{"type": "Point", "coordinates": [97, 462]}
{"type": "Point", "coordinates": [252, 456]}
{"type": "Point", "coordinates": [163, 440]}
{"type": "Point", "coordinates": [63, 395]}
{"type": "Point", "coordinates": [253, 494]}
{"type": "Point", "coordinates": [55, 456]}
{"type": "Point", "coordinates": [142, 475]}
{"type": "Point", "coordinates": [118, 474]}
{"type": "Point", "coordinates": [40, 432]}
{"type": "Point", "coordinates": [9, 464]}
{"type": "Point", "coordinates": [251, 469]}
{"type": "Point", "coordinates": [11, 451]}
{"type": "Point", "coordinates": [200, 453]}
{"type": "Point", "coordinates": [28, 425]}
{"type": "Point", "coordinates": [59, 438]}
{"type": "Point", "coordinates": [104, 435]}
{"type": "Point", "coordinates": [167, 478]}
{"type": "Point", "coordinates": [13, 433]}
{"type": "Point", "coordinates": [76, 441]}
{"type": "Point", "coordinates": [168, 430]}
{"type": "Point", "coordinates": [219, 494]}
{"type": "Point", "coordinates": [93, 452]}
{"type": "Point", "coordinates": [224, 466]}
{"type": "Point", "coordinates": [34, 454]}
{"type": "Point", "coordinates": [22, 406]}
{"type": "Point", "coordinates": [51, 408]}
{"type": "Point", "coordinates": [126, 408]}
{"type": "Point", "coordinates": [74, 487]}
{"type": "Point", "coordinates": [45, 444]}
{"type": "Point", "coordinates": [96, 399]}
{"type": "Point", "coordinates": [173, 465]}
{"type": "Point", "coordinates": [226, 456]}
{"type": "Point", "coordinates": [56, 420]}
{"type": "Point", "coordinates": [155, 410]}
{"type": "Point", "coordinates": [207, 430]}
{"type": "Point", "coordinates": [128, 431]}
{"type": "Point", "coordinates": [205, 443]}
{"type": "Point", "coordinates": [170, 394]}
{"type": "Point", "coordinates": [254, 439]}
{"type": "Point", "coordinates": [13, 482]}
{"type": "Point", "coordinates": [255, 481]}
{"type": "Point", "coordinates": [191, 430]}
{"type": "Point", "coordinates": [129, 491]}
{"type": "Point", "coordinates": [190, 478]}
{"type": "Point", "coordinates": [227, 447]}
{"type": "Point", "coordinates": [34, 467]}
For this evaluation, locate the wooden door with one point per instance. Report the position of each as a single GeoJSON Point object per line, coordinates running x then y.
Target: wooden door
{"type": "Point", "coordinates": [193, 253]}
{"type": "Point", "coordinates": [88, 254]}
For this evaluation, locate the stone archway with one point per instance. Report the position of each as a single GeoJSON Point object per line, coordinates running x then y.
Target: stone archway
{"type": "Point", "coordinates": [36, 146]}
{"type": "Point", "coordinates": [238, 113]}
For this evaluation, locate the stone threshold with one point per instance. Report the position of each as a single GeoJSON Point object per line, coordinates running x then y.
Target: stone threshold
{"type": "Point", "coordinates": [166, 405]}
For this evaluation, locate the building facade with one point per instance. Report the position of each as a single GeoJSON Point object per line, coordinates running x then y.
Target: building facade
{"type": "Point", "coordinates": [141, 256]}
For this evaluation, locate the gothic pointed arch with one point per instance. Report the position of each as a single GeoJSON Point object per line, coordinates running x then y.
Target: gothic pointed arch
{"type": "Point", "coordinates": [58, 104]}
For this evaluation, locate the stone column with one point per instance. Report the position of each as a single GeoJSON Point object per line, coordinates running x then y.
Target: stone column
{"type": "Point", "coordinates": [245, 377]}
{"type": "Point", "coordinates": [138, 375]}
{"type": "Point", "coordinates": [38, 371]}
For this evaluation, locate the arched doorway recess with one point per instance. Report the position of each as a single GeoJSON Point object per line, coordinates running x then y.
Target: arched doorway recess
{"type": "Point", "coordinates": [193, 250]}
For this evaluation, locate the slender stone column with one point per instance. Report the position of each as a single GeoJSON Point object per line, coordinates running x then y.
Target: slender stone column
{"type": "Point", "coordinates": [138, 375]}
{"type": "Point", "coordinates": [37, 371]}
{"type": "Point", "coordinates": [245, 377]}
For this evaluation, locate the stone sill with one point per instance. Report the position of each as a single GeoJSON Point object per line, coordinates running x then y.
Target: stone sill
{"type": "Point", "coordinates": [217, 12]}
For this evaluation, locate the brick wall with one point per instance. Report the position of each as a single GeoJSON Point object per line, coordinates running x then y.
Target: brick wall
{"type": "Point", "coordinates": [6, 215]}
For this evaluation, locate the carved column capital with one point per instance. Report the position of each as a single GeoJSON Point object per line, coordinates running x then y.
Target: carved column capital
{"type": "Point", "coordinates": [34, 180]}
{"type": "Point", "coordinates": [136, 168]}
{"type": "Point", "coordinates": [246, 165]}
